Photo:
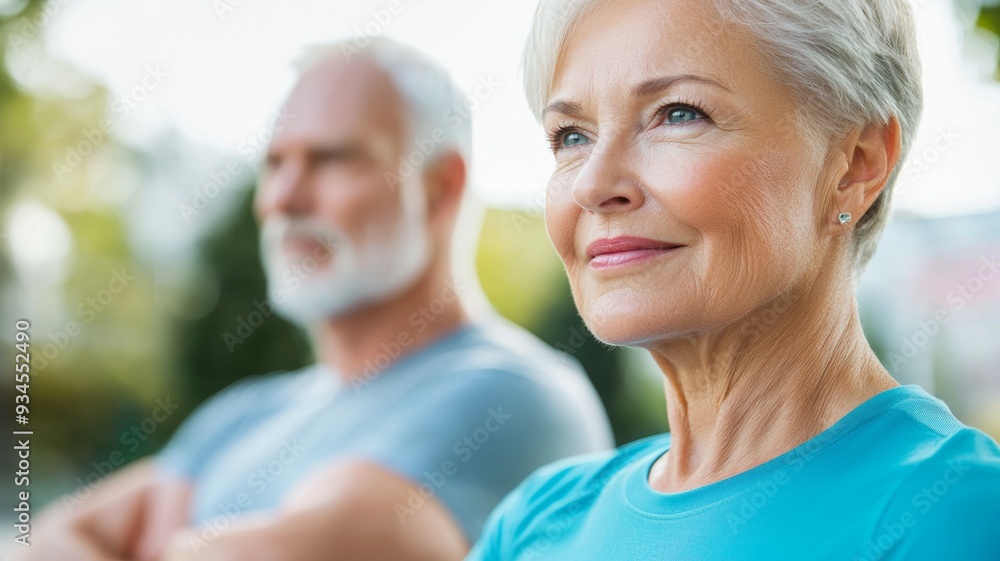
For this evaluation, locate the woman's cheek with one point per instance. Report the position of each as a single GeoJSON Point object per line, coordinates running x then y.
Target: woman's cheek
{"type": "Point", "coordinates": [560, 223]}
{"type": "Point", "coordinates": [693, 189]}
{"type": "Point", "coordinates": [561, 210]}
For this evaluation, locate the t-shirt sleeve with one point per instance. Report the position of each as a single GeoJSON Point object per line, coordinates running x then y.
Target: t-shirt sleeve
{"type": "Point", "coordinates": [948, 508]}
{"type": "Point", "coordinates": [211, 423]}
{"type": "Point", "coordinates": [490, 545]}
{"type": "Point", "coordinates": [470, 438]}
{"type": "Point", "coordinates": [540, 497]}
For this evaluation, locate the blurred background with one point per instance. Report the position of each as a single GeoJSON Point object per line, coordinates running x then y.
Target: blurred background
{"type": "Point", "coordinates": [130, 134]}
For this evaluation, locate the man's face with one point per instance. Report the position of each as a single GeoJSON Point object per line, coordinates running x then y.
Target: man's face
{"type": "Point", "coordinates": [336, 232]}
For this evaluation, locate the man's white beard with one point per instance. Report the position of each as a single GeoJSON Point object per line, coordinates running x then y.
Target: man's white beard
{"type": "Point", "coordinates": [355, 274]}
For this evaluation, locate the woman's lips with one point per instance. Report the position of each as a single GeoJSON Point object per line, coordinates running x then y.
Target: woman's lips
{"type": "Point", "coordinates": [617, 252]}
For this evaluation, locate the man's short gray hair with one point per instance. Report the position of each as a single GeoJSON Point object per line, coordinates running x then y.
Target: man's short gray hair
{"type": "Point", "coordinates": [427, 89]}
{"type": "Point", "coordinates": [848, 63]}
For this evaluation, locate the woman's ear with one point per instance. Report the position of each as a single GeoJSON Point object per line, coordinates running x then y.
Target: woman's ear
{"type": "Point", "coordinates": [872, 152]}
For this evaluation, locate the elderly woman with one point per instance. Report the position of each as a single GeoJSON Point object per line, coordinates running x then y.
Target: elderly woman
{"type": "Point", "coordinates": [723, 171]}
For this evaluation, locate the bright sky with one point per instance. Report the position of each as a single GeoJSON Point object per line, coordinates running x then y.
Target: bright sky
{"type": "Point", "coordinates": [226, 66]}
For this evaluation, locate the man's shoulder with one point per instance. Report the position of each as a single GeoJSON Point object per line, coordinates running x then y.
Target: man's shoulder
{"type": "Point", "coordinates": [549, 409]}
{"type": "Point", "coordinates": [259, 391]}
{"type": "Point", "coordinates": [503, 350]}
{"type": "Point", "coordinates": [224, 416]}
{"type": "Point", "coordinates": [499, 361]}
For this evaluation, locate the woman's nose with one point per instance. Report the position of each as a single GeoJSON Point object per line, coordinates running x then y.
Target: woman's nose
{"type": "Point", "coordinates": [606, 183]}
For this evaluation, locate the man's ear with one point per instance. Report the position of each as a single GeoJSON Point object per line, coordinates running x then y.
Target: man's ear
{"type": "Point", "coordinates": [871, 153]}
{"type": "Point", "coordinates": [445, 181]}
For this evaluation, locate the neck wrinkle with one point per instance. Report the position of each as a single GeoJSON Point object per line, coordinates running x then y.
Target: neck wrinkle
{"type": "Point", "coordinates": [742, 397]}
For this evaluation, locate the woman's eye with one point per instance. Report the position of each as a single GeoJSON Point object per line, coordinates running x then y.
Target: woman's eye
{"type": "Point", "coordinates": [574, 139]}
{"type": "Point", "coordinates": [681, 115]}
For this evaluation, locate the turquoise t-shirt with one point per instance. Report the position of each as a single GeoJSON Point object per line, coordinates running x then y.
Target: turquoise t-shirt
{"type": "Point", "coordinates": [897, 478]}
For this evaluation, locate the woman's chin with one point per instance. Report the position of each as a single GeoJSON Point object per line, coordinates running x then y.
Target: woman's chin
{"type": "Point", "coordinates": [628, 319]}
{"type": "Point", "coordinates": [628, 330]}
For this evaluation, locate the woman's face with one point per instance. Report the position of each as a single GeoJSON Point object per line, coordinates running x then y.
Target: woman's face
{"type": "Point", "coordinates": [684, 195]}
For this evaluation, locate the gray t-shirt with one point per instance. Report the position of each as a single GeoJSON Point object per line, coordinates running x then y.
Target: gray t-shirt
{"type": "Point", "coordinates": [467, 418]}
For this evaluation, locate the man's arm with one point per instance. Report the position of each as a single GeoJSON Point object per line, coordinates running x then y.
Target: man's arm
{"type": "Point", "coordinates": [353, 511]}
{"type": "Point", "coordinates": [129, 515]}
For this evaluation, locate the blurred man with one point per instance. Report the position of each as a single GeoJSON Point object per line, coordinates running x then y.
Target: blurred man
{"type": "Point", "coordinates": [417, 418]}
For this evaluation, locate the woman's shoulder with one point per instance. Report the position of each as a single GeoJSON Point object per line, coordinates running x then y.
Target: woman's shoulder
{"type": "Point", "coordinates": [937, 438]}
{"type": "Point", "coordinates": [947, 488]}
{"type": "Point", "coordinates": [573, 479]}
{"type": "Point", "coordinates": [963, 458]}
{"type": "Point", "coordinates": [950, 498]}
{"type": "Point", "coordinates": [558, 492]}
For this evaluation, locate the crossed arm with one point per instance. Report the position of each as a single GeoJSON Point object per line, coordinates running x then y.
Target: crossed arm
{"type": "Point", "coordinates": [347, 512]}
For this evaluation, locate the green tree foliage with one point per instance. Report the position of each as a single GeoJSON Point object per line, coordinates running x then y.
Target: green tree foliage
{"type": "Point", "coordinates": [989, 19]}
{"type": "Point", "coordinates": [240, 336]}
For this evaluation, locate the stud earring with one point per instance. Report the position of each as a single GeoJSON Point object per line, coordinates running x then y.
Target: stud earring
{"type": "Point", "coordinates": [845, 217]}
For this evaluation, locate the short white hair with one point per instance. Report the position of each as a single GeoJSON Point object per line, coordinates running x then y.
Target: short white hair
{"type": "Point", "coordinates": [847, 62]}
{"type": "Point", "coordinates": [430, 95]}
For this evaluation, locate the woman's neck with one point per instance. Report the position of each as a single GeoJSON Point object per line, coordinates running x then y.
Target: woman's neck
{"type": "Point", "coordinates": [780, 377]}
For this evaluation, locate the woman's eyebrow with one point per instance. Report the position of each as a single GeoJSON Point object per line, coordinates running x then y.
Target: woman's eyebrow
{"type": "Point", "coordinates": [657, 85]}
{"type": "Point", "coordinates": [647, 88]}
{"type": "Point", "coordinates": [568, 108]}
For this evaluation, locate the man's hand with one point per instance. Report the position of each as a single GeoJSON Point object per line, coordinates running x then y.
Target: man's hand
{"type": "Point", "coordinates": [57, 540]}
{"type": "Point", "coordinates": [130, 515]}
{"type": "Point", "coordinates": [348, 512]}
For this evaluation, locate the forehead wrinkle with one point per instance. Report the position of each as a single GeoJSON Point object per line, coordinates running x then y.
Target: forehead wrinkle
{"type": "Point", "coordinates": [656, 86]}
{"type": "Point", "coordinates": [567, 108]}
